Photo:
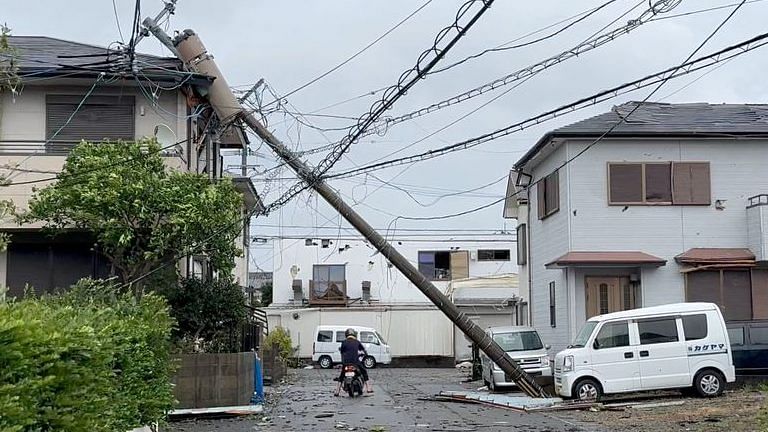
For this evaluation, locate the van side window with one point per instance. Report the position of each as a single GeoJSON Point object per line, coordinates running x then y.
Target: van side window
{"type": "Point", "coordinates": [736, 335]}
{"type": "Point", "coordinates": [758, 335]}
{"type": "Point", "coordinates": [325, 336]}
{"type": "Point", "coordinates": [655, 331]}
{"type": "Point", "coordinates": [695, 326]}
{"type": "Point", "coordinates": [340, 336]}
{"type": "Point", "coordinates": [613, 335]}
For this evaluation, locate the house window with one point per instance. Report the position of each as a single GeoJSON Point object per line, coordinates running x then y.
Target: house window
{"type": "Point", "coordinates": [99, 118]}
{"type": "Point", "coordinates": [522, 244]}
{"type": "Point", "coordinates": [729, 289]}
{"type": "Point", "coordinates": [493, 255]}
{"type": "Point", "coordinates": [552, 316]}
{"type": "Point", "coordinates": [325, 277]}
{"type": "Point", "coordinates": [548, 195]}
{"type": "Point", "coordinates": [435, 265]}
{"type": "Point", "coordinates": [654, 183]}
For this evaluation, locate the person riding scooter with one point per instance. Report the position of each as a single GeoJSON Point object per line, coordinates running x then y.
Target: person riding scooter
{"type": "Point", "coordinates": [350, 350]}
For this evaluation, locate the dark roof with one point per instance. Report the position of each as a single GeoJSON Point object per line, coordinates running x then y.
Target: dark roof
{"type": "Point", "coordinates": [606, 258]}
{"type": "Point", "coordinates": [46, 56]}
{"type": "Point", "coordinates": [654, 119]}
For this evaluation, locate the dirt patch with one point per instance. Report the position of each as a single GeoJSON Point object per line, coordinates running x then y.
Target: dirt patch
{"type": "Point", "coordinates": [735, 411]}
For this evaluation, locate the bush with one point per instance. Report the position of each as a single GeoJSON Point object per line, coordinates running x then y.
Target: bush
{"type": "Point", "coordinates": [89, 360]}
{"type": "Point", "coordinates": [279, 338]}
{"type": "Point", "coordinates": [209, 314]}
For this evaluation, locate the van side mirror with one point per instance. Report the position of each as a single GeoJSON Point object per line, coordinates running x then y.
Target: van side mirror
{"type": "Point", "coordinates": [547, 347]}
{"type": "Point", "coordinates": [596, 344]}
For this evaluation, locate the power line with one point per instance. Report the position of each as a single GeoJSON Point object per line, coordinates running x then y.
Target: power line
{"type": "Point", "coordinates": [361, 51]}
{"type": "Point", "coordinates": [522, 75]}
{"type": "Point", "coordinates": [711, 9]}
{"type": "Point", "coordinates": [426, 62]}
{"type": "Point", "coordinates": [107, 166]}
{"type": "Point", "coordinates": [419, 230]}
{"type": "Point", "coordinates": [622, 119]}
{"type": "Point", "coordinates": [663, 76]}
{"type": "Point", "coordinates": [506, 46]}
{"type": "Point", "coordinates": [661, 6]}
{"type": "Point", "coordinates": [117, 20]}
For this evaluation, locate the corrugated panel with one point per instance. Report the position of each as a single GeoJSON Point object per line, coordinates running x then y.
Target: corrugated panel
{"type": "Point", "coordinates": [99, 118]}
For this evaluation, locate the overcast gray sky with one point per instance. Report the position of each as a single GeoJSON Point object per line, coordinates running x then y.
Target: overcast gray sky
{"type": "Point", "coordinates": [289, 42]}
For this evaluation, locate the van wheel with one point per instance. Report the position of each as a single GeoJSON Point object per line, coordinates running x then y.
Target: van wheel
{"type": "Point", "coordinates": [709, 383]}
{"type": "Point", "coordinates": [369, 362]}
{"type": "Point", "coordinates": [325, 362]}
{"type": "Point", "coordinates": [587, 390]}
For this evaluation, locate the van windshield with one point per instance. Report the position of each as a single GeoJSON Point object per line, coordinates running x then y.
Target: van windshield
{"type": "Point", "coordinates": [518, 341]}
{"type": "Point", "coordinates": [381, 339]}
{"type": "Point", "coordinates": [584, 334]}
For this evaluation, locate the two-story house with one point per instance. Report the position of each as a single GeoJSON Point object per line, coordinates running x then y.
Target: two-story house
{"type": "Point", "coordinates": [345, 281]}
{"type": "Point", "coordinates": [72, 92]}
{"type": "Point", "coordinates": [669, 207]}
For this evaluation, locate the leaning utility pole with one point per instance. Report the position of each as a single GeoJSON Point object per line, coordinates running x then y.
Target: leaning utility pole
{"type": "Point", "coordinates": [191, 51]}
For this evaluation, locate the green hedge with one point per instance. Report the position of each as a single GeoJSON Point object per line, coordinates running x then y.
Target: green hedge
{"type": "Point", "coordinates": [89, 360]}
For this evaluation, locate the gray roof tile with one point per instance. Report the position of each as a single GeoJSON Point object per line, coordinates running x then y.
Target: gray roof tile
{"type": "Point", "coordinates": [664, 119]}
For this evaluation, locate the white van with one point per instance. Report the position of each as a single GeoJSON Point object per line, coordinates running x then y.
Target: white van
{"type": "Point", "coordinates": [325, 349]}
{"type": "Point", "coordinates": [682, 345]}
{"type": "Point", "coordinates": [523, 345]}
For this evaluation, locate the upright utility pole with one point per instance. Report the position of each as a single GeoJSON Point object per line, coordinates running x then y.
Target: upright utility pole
{"type": "Point", "coordinates": [191, 50]}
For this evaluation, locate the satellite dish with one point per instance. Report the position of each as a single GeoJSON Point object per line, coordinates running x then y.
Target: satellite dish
{"type": "Point", "coordinates": [164, 135]}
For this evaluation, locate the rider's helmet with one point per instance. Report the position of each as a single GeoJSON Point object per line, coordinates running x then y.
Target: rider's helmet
{"type": "Point", "coordinates": [351, 333]}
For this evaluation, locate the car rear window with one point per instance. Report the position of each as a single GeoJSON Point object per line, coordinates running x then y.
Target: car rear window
{"type": "Point", "coordinates": [736, 335]}
{"type": "Point", "coordinates": [758, 335]}
{"type": "Point", "coordinates": [695, 326]}
{"type": "Point", "coordinates": [325, 336]}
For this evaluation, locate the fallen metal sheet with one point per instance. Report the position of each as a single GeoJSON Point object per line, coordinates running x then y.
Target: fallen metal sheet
{"type": "Point", "coordinates": [230, 410]}
{"type": "Point", "coordinates": [516, 401]}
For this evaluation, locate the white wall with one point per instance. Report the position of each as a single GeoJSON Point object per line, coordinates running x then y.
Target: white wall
{"type": "Point", "coordinates": [410, 331]}
{"type": "Point", "coordinates": [737, 173]}
{"type": "Point", "coordinates": [548, 240]}
{"type": "Point", "coordinates": [388, 286]}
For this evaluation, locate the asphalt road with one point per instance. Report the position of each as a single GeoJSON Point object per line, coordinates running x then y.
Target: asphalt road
{"type": "Point", "coordinates": [306, 403]}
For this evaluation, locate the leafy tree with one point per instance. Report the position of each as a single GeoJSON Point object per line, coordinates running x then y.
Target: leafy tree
{"type": "Point", "coordinates": [144, 216]}
{"type": "Point", "coordinates": [209, 313]}
{"type": "Point", "coordinates": [266, 294]}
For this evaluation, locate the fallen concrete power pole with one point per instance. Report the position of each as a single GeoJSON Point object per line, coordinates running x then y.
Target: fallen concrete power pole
{"type": "Point", "coordinates": [192, 51]}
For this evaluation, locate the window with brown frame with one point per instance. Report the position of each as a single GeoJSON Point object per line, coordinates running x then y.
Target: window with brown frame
{"type": "Point", "coordinates": [548, 195]}
{"type": "Point", "coordinates": [729, 289]}
{"type": "Point", "coordinates": [659, 183]}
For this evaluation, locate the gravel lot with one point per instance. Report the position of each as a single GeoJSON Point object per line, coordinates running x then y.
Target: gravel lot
{"type": "Point", "coordinates": [306, 403]}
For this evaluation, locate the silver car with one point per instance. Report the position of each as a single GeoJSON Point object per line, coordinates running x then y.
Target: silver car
{"type": "Point", "coordinates": [523, 345]}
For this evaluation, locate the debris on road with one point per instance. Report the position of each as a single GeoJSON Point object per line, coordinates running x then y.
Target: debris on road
{"type": "Point", "coordinates": [516, 402]}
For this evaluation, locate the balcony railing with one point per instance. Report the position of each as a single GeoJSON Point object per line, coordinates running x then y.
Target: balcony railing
{"type": "Point", "coordinates": [328, 293]}
{"type": "Point", "coordinates": [51, 148]}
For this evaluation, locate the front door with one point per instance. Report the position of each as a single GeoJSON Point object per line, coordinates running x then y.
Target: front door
{"type": "Point", "coordinates": [606, 294]}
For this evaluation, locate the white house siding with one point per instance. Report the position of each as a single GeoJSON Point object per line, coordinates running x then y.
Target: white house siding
{"type": "Point", "coordinates": [23, 118]}
{"type": "Point", "coordinates": [411, 331]}
{"type": "Point", "coordinates": [663, 231]}
{"type": "Point", "coordinates": [388, 286]}
{"type": "Point", "coordinates": [548, 239]}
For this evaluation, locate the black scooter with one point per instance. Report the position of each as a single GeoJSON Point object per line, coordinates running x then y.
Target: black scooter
{"type": "Point", "coordinates": [352, 381]}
